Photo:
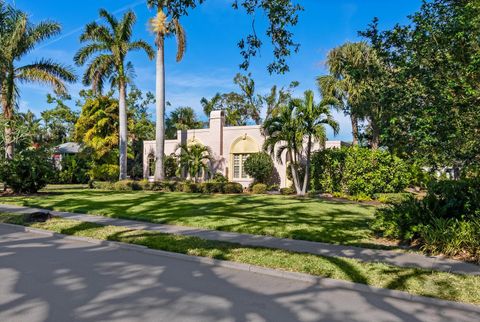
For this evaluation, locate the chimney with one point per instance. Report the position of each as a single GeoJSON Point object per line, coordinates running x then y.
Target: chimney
{"type": "Point", "coordinates": [217, 122]}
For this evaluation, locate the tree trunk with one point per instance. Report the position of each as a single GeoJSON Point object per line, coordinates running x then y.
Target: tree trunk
{"type": "Point", "coordinates": [354, 121]}
{"type": "Point", "coordinates": [7, 106]}
{"type": "Point", "coordinates": [375, 143]}
{"type": "Point", "coordinates": [123, 130]}
{"type": "Point", "coordinates": [160, 110]}
{"type": "Point", "coordinates": [307, 168]}
{"type": "Point", "coordinates": [294, 172]}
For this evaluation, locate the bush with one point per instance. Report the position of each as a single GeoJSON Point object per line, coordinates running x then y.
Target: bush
{"type": "Point", "coordinates": [259, 189]}
{"type": "Point", "coordinates": [219, 178]}
{"type": "Point", "coordinates": [189, 187]}
{"type": "Point", "coordinates": [358, 171]}
{"type": "Point", "coordinates": [212, 187]}
{"type": "Point", "coordinates": [232, 187]}
{"type": "Point", "coordinates": [126, 185]}
{"type": "Point", "coordinates": [287, 191]}
{"type": "Point", "coordinates": [260, 167]}
{"type": "Point", "coordinates": [145, 184]}
{"type": "Point", "coordinates": [391, 197]}
{"type": "Point", "coordinates": [101, 185]}
{"type": "Point", "coordinates": [446, 221]}
{"type": "Point", "coordinates": [105, 172]}
{"type": "Point", "coordinates": [170, 165]}
{"type": "Point", "coordinates": [274, 187]}
{"type": "Point", "coordinates": [73, 169]}
{"type": "Point", "coordinates": [29, 171]}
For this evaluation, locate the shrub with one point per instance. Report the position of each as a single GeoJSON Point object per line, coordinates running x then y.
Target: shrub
{"type": "Point", "coordinates": [446, 221]}
{"type": "Point", "coordinates": [212, 187]}
{"type": "Point", "coordinates": [170, 186]}
{"type": "Point", "coordinates": [288, 191]}
{"type": "Point", "coordinates": [101, 185]}
{"type": "Point", "coordinates": [145, 184]}
{"type": "Point", "coordinates": [73, 169]}
{"type": "Point", "coordinates": [274, 187]}
{"type": "Point", "coordinates": [29, 171]}
{"type": "Point", "coordinates": [358, 171]}
{"type": "Point", "coordinates": [189, 187]}
{"type": "Point", "coordinates": [232, 187]}
{"type": "Point", "coordinates": [219, 178]}
{"type": "Point", "coordinates": [259, 166]}
{"type": "Point", "coordinates": [259, 189]}
{"type": "Point", "coordinates": [170, 165]}
{"type": "Point", "coordinates": [391, 197]}
{"type": "Point", "coordinates": [126, 185]}
{"type": "Point", "coordinates": [105, 172]}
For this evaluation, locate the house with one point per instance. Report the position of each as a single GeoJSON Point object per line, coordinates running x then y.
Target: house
{"type": "Point", "coordinates": [60, 151]}
{"type": "Point", "coordinates": [230, 145]}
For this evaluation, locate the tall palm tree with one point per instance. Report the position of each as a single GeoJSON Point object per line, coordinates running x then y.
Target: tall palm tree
{"type": "Point", "coordinates": [312, 119]}
{"type": "Point", "coordinates": [194, 159]}
{"type": "Point", "coordinates": [162, 28]}
{"type": "Point", "coordinates": [111, 44]}
{"type": "Point", "coordinates": [342, 87]}
{"type": "Point", "coordinates": [182, 118]}
{"type": "Point", "coordinates": [282, 135]}
{"type": "Point", "coordinates": [17, 38]}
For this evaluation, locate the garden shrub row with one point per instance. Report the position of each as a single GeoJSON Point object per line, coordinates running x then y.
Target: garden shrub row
{"type": "Point", "coordinates": [170, 186]}
{"type": "Point", "coordinates": [446, 221]}
{"type": "Point", "coordinates": [358, 171]}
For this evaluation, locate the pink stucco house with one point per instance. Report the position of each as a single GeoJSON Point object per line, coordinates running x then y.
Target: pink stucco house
{"type": "Point", "coordinates": [230, 146]}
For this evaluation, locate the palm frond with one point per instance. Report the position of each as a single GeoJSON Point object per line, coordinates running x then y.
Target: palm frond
{"type": "Point", "coordinates": [86, 52]}
{"type": "Point", "coordinates": [181, 37]}
{"type": "Point", "coordinates": [124, 29]}
{"type": "Point", "coordinates": [143, 45]}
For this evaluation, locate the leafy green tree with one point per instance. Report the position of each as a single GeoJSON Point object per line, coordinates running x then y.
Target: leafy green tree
{"type": "Point", "coordinates": [260, 167]}
{"type": "Point", "coordinates": [18, 37]}
{"type": "Point", "coordinates": [182, 118]}
{"type": "Point", "coordinates": [194, 159]}
{"type": "Point", "coordinates": [59, 122]}
{"type": "Point", "coordinates": [112, 43]}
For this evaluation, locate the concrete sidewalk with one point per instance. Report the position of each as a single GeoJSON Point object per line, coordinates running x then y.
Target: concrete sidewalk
{"type": "Point", "coordinates": [397, 258]}
{"type": "Point", "coordinates": [50, 277]}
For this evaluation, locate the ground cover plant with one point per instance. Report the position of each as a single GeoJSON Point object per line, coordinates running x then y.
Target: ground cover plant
{"type": "Point", "coordinates": [441, 285]}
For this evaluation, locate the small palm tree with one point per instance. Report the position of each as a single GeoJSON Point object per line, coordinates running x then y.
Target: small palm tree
{"type": "Point", "coordinates": [282, 135]}
{"type": "Point", "coordinates": [17, 38]}
{"type": "Point", "coordinates": [111, 43]}
{"type": "Point", "coordinates": [194, 159]}
{"type": "Point", "coordinates": [312, 119]}
{"type": "Point", "coordinates": [163, 28]}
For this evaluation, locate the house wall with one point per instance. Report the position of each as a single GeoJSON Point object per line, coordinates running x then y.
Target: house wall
{"type": "Point", "coordinates": [224, 142]}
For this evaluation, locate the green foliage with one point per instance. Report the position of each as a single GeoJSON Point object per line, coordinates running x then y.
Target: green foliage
{"type": "Point", "coordinates": [29, 171]}
{"type": "Point", "coordinates": [182, 118]}
{"type": "Point", "coordinates": [195, 160]}
{"type": "Point", "coordinates": [104, 172]}
{"type": "Point", "coordinates": [213, 187]}
{"type": "Point", "coordinates": [260, 167]}
{"type": "Point", "coordinates": [59, 121]}
{"type": "Point", "coordinates": [232, 188]}
{"type": "Point", "coordinates": [218, 177]}
{"type": "Point", "coordinates": [287, 191]}
{"type": "Point", "coordinates": [357, 171]}
{"type": "Point", "coordinates": [259, 189]}
{"type": "Point", "coordinates": [189, 187]}
{"type": "Point", "coordinates": [391, 197]}
{"type": "Point", "coordinates": [127, 185]}
{"type": "Point", "coordinates": [446, 221]}
{"type": "Point", "coordinates": [74, 169]}
{"type": "Point", "coordinates": [171, 166]}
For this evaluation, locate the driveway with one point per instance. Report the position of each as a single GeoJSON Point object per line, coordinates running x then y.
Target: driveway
{"type": "Point", "coordinates": [44, 278]}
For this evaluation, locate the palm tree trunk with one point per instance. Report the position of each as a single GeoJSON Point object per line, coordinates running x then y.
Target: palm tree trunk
{"type": "Point", "coordinates": [307, 168]}
{"type": "Point", "coordinates": [294, 172]}
{"type": "Point", "coordinates": [8, 116]}
{"type": "Point", "coordinates": [354, 121]}
{"type": "Point", "coordinates": [375, 143]}
{"type": "Point", "coordinates": [123, 130]}
{"type": "Point", "coordinates": [160, 109]}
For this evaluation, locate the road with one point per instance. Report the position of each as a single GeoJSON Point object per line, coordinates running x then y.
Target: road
{"type": "Point", "coordinates": [45, 278]}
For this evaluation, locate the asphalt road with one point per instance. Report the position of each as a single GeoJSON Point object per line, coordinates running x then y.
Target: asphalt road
{"type": "Point", "coordinates": [44, 278]}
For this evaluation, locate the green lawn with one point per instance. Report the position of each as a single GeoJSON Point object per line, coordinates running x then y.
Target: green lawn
{"type": "Point", "coordinates": [415, 281]}
{"type": "Point", "coordinates": [280, 216]}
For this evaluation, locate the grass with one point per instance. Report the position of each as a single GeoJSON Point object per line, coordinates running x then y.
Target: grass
{"type": "Point", "coordinates": [279, 216]}
{"type": "Point", "coordinates": [442, 285]}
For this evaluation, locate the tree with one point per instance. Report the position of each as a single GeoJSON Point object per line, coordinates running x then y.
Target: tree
{"type": "Point", "coordinates": [17, 38]}
{"type": "Point", "coordinates": [312, 119]}
{"type": "Point", "coordinates": [59, 121]}
{"type": "Point", "coordinates": [182, 118]}
{"type": "Point", "coordinates": [260, 167]}
{"type": "Point", "coordinates": [353, 69]}
{"type": "Point", "coordinates": [281, 14]}
{"type": "Point", "coordinates": [112, 43]}
{"type": "Point", "coordinates": [194, 159]}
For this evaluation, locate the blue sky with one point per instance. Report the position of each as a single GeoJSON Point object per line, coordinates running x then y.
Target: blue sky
{"type": "Point", "coordinates": [212, 57]}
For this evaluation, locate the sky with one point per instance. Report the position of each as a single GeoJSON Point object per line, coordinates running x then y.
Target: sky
{"type": "Point", "coordinates": [212, 58]}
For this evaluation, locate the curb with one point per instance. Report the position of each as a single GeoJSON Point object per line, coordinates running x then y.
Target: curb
{"type": "Point", "coordinates": [298, 277]}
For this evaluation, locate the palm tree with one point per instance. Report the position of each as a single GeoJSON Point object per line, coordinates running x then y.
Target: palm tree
{"type": "Point", "coordinates": [194, 159]}
{"type": "Point", "coordinates": [112, 43]}
{"type": "Point", "coordinates": [282, 135]}
{"type": "Point", "coordinates": [163, 28]}
{"type": "Point", "coordinates": [17, 38]}
{"type": "Point", "coordinates": [342, 87]}
{"type": "Point", "coordinates": [182, 118]}
{"type": "Point", "coordinates": [312, 119]}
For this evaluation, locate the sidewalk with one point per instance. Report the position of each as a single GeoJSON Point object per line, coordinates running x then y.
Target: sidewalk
{"type": "Point", "coordinates": [397, 258]}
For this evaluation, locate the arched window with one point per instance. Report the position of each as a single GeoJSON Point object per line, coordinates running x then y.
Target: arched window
{"type": "Point", "coordinates": [151, 164]}
{"type": "Point", "coordinates": [241, 148]}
